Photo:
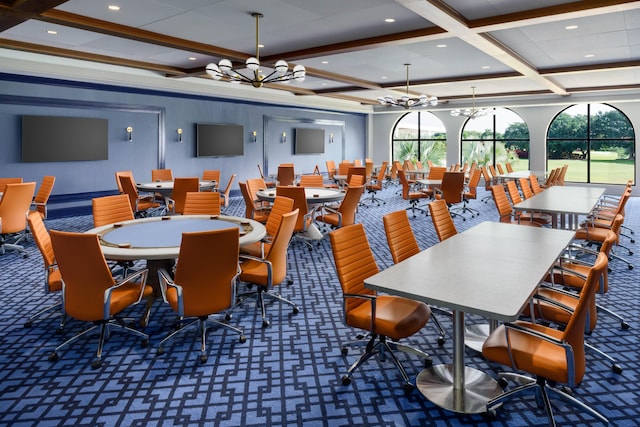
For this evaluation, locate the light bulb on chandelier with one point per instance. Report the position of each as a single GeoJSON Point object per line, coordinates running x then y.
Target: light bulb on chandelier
{"type": "Point", "coordinates": [280, 73]}
{"type": "Point", "coordinates": [472, 112]}
{"type": "Point", "coordinates": [407, 101]}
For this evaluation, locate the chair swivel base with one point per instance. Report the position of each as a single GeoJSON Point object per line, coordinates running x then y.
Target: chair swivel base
{"type": "Point", "coordinates": [4, 247]}
{"type": "Point", "coordinates": [260, 294]}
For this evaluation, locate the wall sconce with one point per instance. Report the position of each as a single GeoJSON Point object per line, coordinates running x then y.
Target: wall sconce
{"type": "Point", "coordinates": [254, 136]}
{"type": "Point", "coordinates": [330, 138]}
{"type": "Point", "coordinates": [283, 138]}
{"type": "Point", "coordinates": [130, 133]}
{"type": "Point", "coordinates": [179, 131]}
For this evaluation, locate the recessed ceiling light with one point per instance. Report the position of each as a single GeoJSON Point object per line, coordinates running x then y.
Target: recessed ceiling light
{"type": "Point", "coordinates": [389, 20]}
{"type": "Point", "coordinates": [485, 67]}
{"type": "Point", "coordinates": [260, 46]}
{"type": "Point", "coordinates": [52, 32]}
{"type": "Point", "coordinates": [324, 84]}
{"type": "Point", "coordinates": [113, 7]}
{"type": "Point", "coordinates": [384, 77]}
{"type": "Point", "coordinates": [589, 55]}
{"type": "Point", "coordinates": [325, 62]}
{"type": "Point", "coordinates": [441, 45]}
{"type": "Point", "coordinates": [571, 27]}
{"type": "Point", "coordinates": [192, 58]}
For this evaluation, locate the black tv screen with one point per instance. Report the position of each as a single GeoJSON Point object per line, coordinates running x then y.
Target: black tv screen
{"type": "Point", "coordinates": [62, 139]}
{"type": "Point", "coordinates": [217, 140]}
{"type": "Point", "coordinates": [309, 141]}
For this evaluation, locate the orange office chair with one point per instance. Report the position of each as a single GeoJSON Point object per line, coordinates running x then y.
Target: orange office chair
{"type": "Point", "coordinates": [201, 203]}
{"type": "Point", "coordinates": [89, 291]}
{"type": "Point", "coordinates": [281, 205]}
{"type": "Point", "coordinates": [5, 181]}
{"type": "Point", "coordinates": [122, 173]}
{"type": "Point", "coordinates": [161, 175]}
{"type": "Point", "coordinates": [376, 185]}
{"type": "Point", "coordinates": [286, 175]}
{"type": "Point", "coordinates": [343, 167]}
{"type": "Point", "coordinates": [313, 180]}
{"type": "Point", "coordinates": [535, 184]}
{"type": "Point", "coordinates": [411, 195]}
{"type": "Point", "coordinates": [331, 168]}
{"type": "Point", "coordinates": [141, 204]}
{"type": "Point", "coordinates": [204, 282]}
{"type": "Point", "coordinates": [514, 194]}
{"type": "Point", "coordinates": [52, 278]}
{"type": "Point", "coordinates": [525, 187]}
{"type": "Point", "coordinates": [268, 184]}
{"type": "Point", "coordinates": [552, 356]}
{"type": "Point", "coordinates": [386, 318]}
{"type": "Point", "coordinates": [392, 175]}
{"type": "Point", "coordinates": [508, 167]}
{"type": "Point", "coordinates": [357, 171]}
{"type": "Point", "coordinates": [470, 192]}
{"type": "Point", "coordinates": [111, 209]}
{"type": "Point", "coordinates": [551, 179]}
{"type": "Point", "coordinates": [211, 175]}
{"type": "Point", "coordinates": [562, 174]}
{"type": "Point", "coordinates": [41, 198]}
{"type": "Point", "coordinates": [251, 209]}
{"type": "Point", "coordinates": [270, 271]}
{"type": "Point", "coordinates": [181, 186]}
{"type": "Point", "coordinates": [505, 210]}
{"type": "Point", "coordinates": [227, 191]}
{"type": "Point", "coordinates": [451, 191]}
{"type": "Point", "coordinates": [403, 244]}
{"type": "Point", "coordinates": [14, 206]}
{"type": "Point", "coordinates": [305, 217]}
{"type": "Point", "coordinates": [442, 221]}
{"type": "Point", "coordinates": [345, 214]}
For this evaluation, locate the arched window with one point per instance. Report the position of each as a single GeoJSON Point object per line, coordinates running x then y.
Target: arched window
{"type": "Point", "coordinates": [597, 141]}
{"type": "Point", "coordinates": [495, 138]}
{"type": "Point", "coordinates": [419, 135]}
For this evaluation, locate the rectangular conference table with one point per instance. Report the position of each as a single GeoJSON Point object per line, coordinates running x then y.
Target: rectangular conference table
{"type": "Point", "coordinates": [491, 270]}
{"type": "Point", "coordinates": [567, 202]}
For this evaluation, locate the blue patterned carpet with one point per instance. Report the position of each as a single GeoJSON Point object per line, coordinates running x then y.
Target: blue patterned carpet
{"type": "Point", "coordinates": [288, 374]}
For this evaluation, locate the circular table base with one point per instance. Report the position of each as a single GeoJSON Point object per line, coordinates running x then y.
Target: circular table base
{"type": "Point", "coordinates": [436, 384]}
{"type": "Point", "coordinates": [476, 335]}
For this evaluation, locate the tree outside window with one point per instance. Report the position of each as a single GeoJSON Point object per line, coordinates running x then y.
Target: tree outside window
{"type": "Point", "coordinates": [597, 141]}
{"type": "Point", "coordinates": [419, 135]}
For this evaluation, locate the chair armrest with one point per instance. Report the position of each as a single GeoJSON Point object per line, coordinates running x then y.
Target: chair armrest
{"type": "Point", "coordinates": [370, 298]}
{"type": "Point", "coordinates": [142, 274]}
{"type": "Point", "coordinates": [263, 261]}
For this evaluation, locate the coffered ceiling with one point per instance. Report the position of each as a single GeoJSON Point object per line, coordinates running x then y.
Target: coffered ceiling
{"type": "Point", "coordinates": [507, 49]}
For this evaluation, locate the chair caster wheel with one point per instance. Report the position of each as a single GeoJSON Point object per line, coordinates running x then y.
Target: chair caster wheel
{"type": "Point", "coordinates": [296, 310]}
{"type": "Point", "coordinates": [28, 324]}
{"type": "Point", "coordinates": [203, 359]}
{"type": "Point", "coordinates": [346, 380]}
{"type": "Point", "coordinates": [616, 369]}
{"type": "Point", "coordinates": [344, 351]}
{"type": "Point", "coordinates": [144, 343]}
{"type": "Point", "coordinates": [289, 282]}
{"type": "Point", "coordinates": [265, 323]}
{"type": "Point", "coordinates": [160, 350]}
{"type": "Point", "coordinates": [503, 383]}
{"type": "Point", "coordinates": [408, 387]}
{"type": "Point", "coordinates": [624, 325]}
{"type": "Point", "coordinates": [228, 316]}
{"type": "Point", "coordinates": [53, 357]}
{"type": "Point", "coordinates": [59, 331]}
{"type": "Point", "coordinates": [428, 363]}
{"type": "Point", "coordinates": [243, 339]}
{"type": "Point", "coordinates": [440, 341]}
{"type": "Point", "coordinates": [96, 364]}
{"type": "Point", "coordinates": [631, 267]}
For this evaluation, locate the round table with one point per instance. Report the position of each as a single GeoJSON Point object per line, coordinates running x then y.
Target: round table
{"type": "Point", "coordinates": [166, 187]}
{"type": "Point", "coordinates": [313, 195]}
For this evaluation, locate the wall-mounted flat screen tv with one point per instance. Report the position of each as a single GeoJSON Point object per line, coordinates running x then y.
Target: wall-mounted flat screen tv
{"type": "Point", "coordinates": [309, 141]}
{"type": "Point", "coordinates": [218, 140]}
{"type": "Point", "coordinates": [63, 139]}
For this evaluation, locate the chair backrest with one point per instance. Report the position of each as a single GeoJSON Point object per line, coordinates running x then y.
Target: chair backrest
{"type": "Point", "coordinates": [486, 177]}
{"type": "Point", "coordinates": [42, 196]}
{"type": "Point", "coordinates": [331, 168]}
{"type": "Point", "coordinates": [437, 172]}
{"type": "Point", "coordinates": [551, 179]}
{"type": "Point", "coordinates": [253, 185]}
{"type": "Point", "coordinates": [514, 194]}
{"type": "Point", "coordinates": [277, 252]}
{"type": "Point", "coordinates": [473, 168]}
{"type": "Point", "coordinates": [206, 270]}
{"type": "Point", "coordinates": [356, 180]}
{"type": "Point", "coordinates": [502, 203]}
{"type": "Point", "coordinates": [311, 181]}
{"type": "Point", "coordinates": [400, 238]}
{"type": "Point", "coordinates": [249, 205]}
{"type": "Point", "coordinates": [181, 186]}
{"type": "Point", "coordinates": [442, 221]}
{"type": "Point", "coordinates": [5, 181]}
{"type": "Point", "coordinates": [129, 188]}
{"type": "Point", "coordinates": [281, 205]}
{"type": "Point", "coordinates": [53, 281]}
{"type": "Point", "coordinates": [408, 165]}
{"type": "Point", "coordinates": [357, 162]}
{"type": "Point", "coordinates": [14, 207]}
{"type": "Point", "coordinates": [227, 190]}
{"type": "Point", "coordinates": [465, 166]}
{"type": "Point", "coordinates": [452, 187]}
{"type": "Point", "coordinates": [286, 175]}
{"type": "Point", "coordinates": [110, 209]}
{"type": "Point", "coordinates": [527, 192]}
{"type": "Point", "coordinates": [492, 170]}
{"type": "Point", "coordinates": [405, 184]}
{"type": "Point", "coordinates": [535, 185]}
{"type": "Point", "coordinates": [501, 169]}
{"type": "Point", "coordinates": [354, 263]}
{"type": "Point", "coordinates": [201, 203]}
{"type": "Point", "coordinates": [343, 167]}
{"type": "Point", "coordinates": [509, 167]}
{"type": "Point", "coordinates": [357, 170]}
{"type": "Point", "coordinates": [349, 204]}
{"type": "Point", "coordinates": [562, 174]}
{"type": "Point", "coordinates": [298, 195]}
{"type": "Point", "coordinates": [368, 170]}
{"type": "Point", "coordinates": [260, 170]}
{"type": "Point", "coordinates": [161, 175]}
{"type": "Point", "coordinates": [395, 166]}
{"type": "Point", "coordinates": [118, 175]}
{"type": "Point", "coordinates": [474, 180]}
{"type": "Point", "coordinates": [419, 165]}
{"type": "Point", "coordinates": [382, 172]}
{"type": "Point", "coordinates": [85, 274]}
{"type": "Point", "coordinates": [211, 175]}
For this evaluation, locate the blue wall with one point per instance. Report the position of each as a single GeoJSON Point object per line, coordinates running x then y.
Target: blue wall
{"type": "Point", "coordinates": [155, 117]}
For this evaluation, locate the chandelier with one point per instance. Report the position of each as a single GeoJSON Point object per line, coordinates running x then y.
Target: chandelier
{"type": "Point", "coordinates": [407, 101]}
{"type": "Point", "coordinates": [472, 113]}
{"type": "Point", "coordinates": [280, 73]}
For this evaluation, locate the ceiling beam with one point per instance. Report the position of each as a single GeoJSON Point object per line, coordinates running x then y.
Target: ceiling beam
{"type": "Point", "coordinates": [22, 10]}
